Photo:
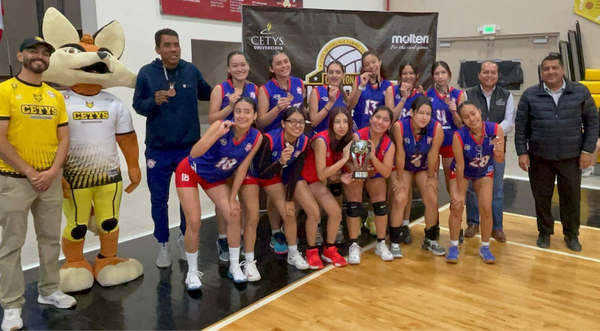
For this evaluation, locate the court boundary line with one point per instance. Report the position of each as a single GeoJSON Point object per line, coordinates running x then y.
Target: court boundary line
{"type": "Point", "coordinates": [121, 240]}
{"type": "Point", "coordinates": [535, 218]}
{"type": "Point", "coordinates": [285, 290]}
{"type": "Point", "coordinates": [581, 257]}
{"type": "Point", "coordinates": [526, 179]}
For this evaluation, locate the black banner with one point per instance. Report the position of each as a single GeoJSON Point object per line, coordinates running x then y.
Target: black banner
{"type": "Point", "coordinates": [312, 38]}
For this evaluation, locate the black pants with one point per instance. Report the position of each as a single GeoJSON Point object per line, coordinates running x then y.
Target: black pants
{"type": "Point", "coordinates": [542, 173]}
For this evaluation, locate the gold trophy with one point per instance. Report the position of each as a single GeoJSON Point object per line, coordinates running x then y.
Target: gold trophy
{"type": "Point", "coordinates": [360, 150]}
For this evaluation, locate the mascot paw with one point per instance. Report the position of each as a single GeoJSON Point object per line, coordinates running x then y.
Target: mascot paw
{"type": "Point", "coordinates": [76, 276]}
{"type": "Point", "coordinates": [114, 271]}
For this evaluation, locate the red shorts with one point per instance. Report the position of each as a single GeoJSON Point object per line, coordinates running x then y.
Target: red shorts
{"type": "Point", "coordinates": [489, 174]}
{"type": "Point", "coordinates": [249, 180]}
{"type": "Point", "coordinates": [185, 176]}
{"type": "Point", "coordinates": [446, 152]}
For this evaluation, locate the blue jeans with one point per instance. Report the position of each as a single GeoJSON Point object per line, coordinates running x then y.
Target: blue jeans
{"type": "Point", "coordinates": [160, 165]}
{"type": "Point", "coordinates": [497, 200]}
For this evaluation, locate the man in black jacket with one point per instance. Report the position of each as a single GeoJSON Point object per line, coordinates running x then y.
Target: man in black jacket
{"type": "Point", "coordinates": [556, 132]}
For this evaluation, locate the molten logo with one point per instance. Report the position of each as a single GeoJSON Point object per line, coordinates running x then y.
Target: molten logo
{"type": "Point", "coordinates": [410, 39]}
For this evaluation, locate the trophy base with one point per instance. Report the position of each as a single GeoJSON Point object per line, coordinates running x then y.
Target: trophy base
{"type": "Point", "coordinates": [360, 175]}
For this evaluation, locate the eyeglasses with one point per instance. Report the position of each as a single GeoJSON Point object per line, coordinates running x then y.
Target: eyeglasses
{"type": "Point", "coordinates": [296, 122]}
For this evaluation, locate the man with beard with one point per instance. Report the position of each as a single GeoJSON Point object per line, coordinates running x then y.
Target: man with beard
{"type": "Point", "coordinates": [34, 140]}
{"type": "Point", "coordinates": [167, 93]}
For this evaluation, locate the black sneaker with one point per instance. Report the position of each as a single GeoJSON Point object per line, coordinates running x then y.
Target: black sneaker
{"type": "Point", "coordinates": [543, 240]}
{"type": "Point", "coordinates": [573, 243]}
{"type": "Point", "coordinates": [405, 235]}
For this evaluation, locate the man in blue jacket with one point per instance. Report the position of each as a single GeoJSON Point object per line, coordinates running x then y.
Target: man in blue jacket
{"type": "Point", "coordinates": [167, 93]}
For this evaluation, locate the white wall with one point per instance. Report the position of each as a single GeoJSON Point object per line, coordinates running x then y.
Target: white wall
{"type": "Point", "coordinates": [460, 18]}
{"type": "Point", "coordinates": [142, 18]}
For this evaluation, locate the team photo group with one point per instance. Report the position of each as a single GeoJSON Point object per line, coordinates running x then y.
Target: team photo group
{"type": "Point", "coordinates": [344, 155]}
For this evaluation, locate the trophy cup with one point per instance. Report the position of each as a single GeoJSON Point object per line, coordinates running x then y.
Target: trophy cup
{"type": "Point", "coordinates": [360, 150]}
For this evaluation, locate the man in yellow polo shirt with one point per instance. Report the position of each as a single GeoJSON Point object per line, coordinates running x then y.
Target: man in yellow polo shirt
{"type": "Point", "coordinates": [34, 140]}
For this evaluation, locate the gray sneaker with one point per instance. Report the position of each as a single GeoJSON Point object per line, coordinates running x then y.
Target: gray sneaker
{"type": "Point", "coordinates": [339, 237]}
{"type": "Point", "coordinates": [181, 244]}
{"type": "Point", "coordinates": [164, 255]}
{"type": "Point", "coordinates": [319, 239]}
{"type": "Point", "coordinates": [223, 249]}
{"type": "Point", "coordinates": [396, 250]}
{"type": "Point", "coordinates": [433, 247]}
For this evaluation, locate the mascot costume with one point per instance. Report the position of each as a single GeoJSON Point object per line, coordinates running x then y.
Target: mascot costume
{"type": "Point", "coordinates": [98, 122]}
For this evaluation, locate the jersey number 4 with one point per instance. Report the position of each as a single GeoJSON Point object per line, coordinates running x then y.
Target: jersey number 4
{"type": "Point", "coordinates": [226, 163]}
{"type": "Point", "coordinates": [441, 116]}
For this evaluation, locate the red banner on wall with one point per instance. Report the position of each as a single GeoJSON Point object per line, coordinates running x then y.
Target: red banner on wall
{"type": "Point", "coordinates": [222, 10]}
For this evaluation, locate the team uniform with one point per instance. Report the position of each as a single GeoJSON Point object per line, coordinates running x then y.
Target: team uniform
{"type": "Point", "coordinates": [384, 144]}
{"type": "Point", "coordinates": [444, 116]}
{"type": "Point", "coordinates": [309, 171]}
{"type": "Point", "coordinates": [219, 162]}
{"type": "Point", "coordinates": [92, 167]}
{"type": "Point", "coordinates": [407, 103]}
{"type": "Point", "coordinates": [227, 89]}
{"type": "Point", "coordinates": [370, 98]}
{"type": "Point", "coordinates": [275, 92]}
{"type": "Point", "coordinates": [479, 156]}
{"type": "Point", "coordinates": [323, 97]}
{"type": "Point", "coordinates": [417, 146]}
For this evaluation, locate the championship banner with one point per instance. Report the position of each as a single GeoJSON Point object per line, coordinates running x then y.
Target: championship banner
{"type": "Point", "coordinates": [223, 10]}
{"type": "Point", "coordinates": [312, 38]}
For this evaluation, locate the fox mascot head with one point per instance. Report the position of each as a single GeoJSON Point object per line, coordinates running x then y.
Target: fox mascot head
{"type": "Point", "coordinates": [88, 64]}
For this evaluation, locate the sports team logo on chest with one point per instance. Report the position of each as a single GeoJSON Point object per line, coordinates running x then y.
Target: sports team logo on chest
{"type": "Point", "coordinates": [276, 96]}
{"type": "Point", "coordinates": [326, 99]}
{"type": "Point", "coordinates": [429, 140]}
{"type": "Point", "coordinates": [89, 104]}
{"type": "Point", "coordinates": [467, 147]}
{"type": "Point", "coordinates": [51, 94]}
{"type": "Point", "coordinates": [227, 94]}
{"type": "Point", "coordinates": [297, 153]}
{"type": "Point", "coordinates": [37, 97]}
{"type": "Point", "coordinates": [253, 95]}
{"type": "Point", "coordinates": [274, 154]}
{"type": "Point", "coordinates": [223, 141]}
{"type": "Point", "coordinates": [407, 140]}
{"type": "Point", "coordinates": [248, 147]}
{"type": "Point", "coordinates": [299, 90]}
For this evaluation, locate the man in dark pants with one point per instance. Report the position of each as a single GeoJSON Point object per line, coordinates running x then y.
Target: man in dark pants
{"type": "Point", "coordinates": [497, 105]}
{"type": "Point", "coordinates": [167, 93]}
{"type": "Point", "coordinates": [556, 132]}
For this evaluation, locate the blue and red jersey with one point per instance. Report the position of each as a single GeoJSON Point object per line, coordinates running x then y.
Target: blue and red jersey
{"type": "Point", "coordinates": [408, 103]}
{"type": "Point", "coordinates": [417, 144]}
{"type": "Point", "coordinates": [222, 159]}
{"type": "Point", "coordinates": [441, 112]}
{"type": "Point", "coordinates": [323, 97]}
{"type": "Point", "coordinates": [250, 90]}
{"type": "Point", "coordinates": [478, 150]}
{"type": "Point", "coordinates": [382, 147]}
{"type": "Point", "coordinates": [371, 98]}
{"type": "Point", "coordinates": [275, 92]}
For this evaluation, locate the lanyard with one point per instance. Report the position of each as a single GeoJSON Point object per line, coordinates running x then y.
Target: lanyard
{"type": "Point", "coordinates": [171, 91]}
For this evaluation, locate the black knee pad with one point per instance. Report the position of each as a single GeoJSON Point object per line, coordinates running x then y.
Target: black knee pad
{"type": "Point", "coordinates": [79, 231]}
{"type": "Point", "coordinates": [353, 209]}
{"type": "Point", "coordinates": [381, 208]}
{"type": "Point", "coordinates": [336, 189]}
{"type": "Point", "coordinates": [109, 224]}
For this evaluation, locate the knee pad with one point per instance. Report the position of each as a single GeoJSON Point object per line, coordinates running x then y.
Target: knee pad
{"type": "Point", "coordinates": [335, 189]}
{"type": "Point", "coordinates": [381, 208]}
{"type": "Point", "coordinates": [79, 232]}
{"type": "Point", "coordinates": [353, 209]}
{"type": "Point", "coordinates": [109, 224]}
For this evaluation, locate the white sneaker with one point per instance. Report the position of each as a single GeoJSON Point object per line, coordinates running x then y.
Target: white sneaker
{"type": "Point", "coordinates": [383, 251]}
{"type": "Point", "coordinates": [164, 255]}
{"type": "Point", "coordinates": [251, 271]}
{"type": "Point", "coordinates": [12, 320]}
{"type": "Point", "coordinates": [297, 261]}
{"type": "Point", "coordinates": [193, 280]}
{"type": "Point", "coordinates": [236, 273]}
{"type": "Point", "coordinates": [181, 244]}
{"type": "Point", "coordinates": [354, 254]}
{"type": "Point", "coordinates": [57, 299]}
{"type": "Point", "coordinates": [587, 172]}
